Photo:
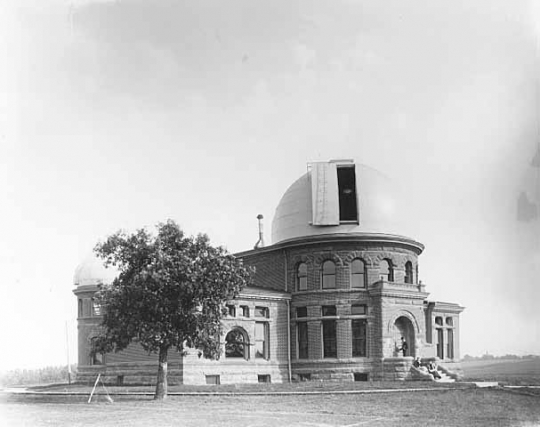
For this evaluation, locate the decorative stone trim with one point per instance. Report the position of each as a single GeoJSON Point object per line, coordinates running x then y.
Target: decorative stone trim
{"type": "Point", "coordinates": [363, 255]}
{"type": "Point", "coordinates": [403, 313]}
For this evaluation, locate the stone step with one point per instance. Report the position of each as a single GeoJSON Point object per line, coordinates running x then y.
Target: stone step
{"type": "Point", "coordinates": [445, 378]}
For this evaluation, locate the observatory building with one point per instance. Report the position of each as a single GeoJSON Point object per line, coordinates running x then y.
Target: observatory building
{"type": "Point", "coordinates": [335, 295]}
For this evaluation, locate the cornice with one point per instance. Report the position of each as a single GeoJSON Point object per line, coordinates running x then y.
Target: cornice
{"type": "Point", "coordinates": [369, 238]}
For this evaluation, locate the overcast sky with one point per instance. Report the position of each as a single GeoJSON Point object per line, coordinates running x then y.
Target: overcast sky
{"type": "Point", "coordinates": [121, 114]}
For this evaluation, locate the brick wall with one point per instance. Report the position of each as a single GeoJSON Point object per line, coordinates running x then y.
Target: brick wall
{"type": "Point", "coordinates": [269, 269]}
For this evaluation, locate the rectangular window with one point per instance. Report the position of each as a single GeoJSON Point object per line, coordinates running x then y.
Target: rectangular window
{"type": "Point", "coordinates": [357, 309]}
{"type": "Point", "coordinates": [212, 379]}
{"type": "Point", "coordinates": [329, 338]}
{"type": "Point", "coordinates": [347, 194]}
{"type": "Point", "coordinates": [302, 329]}
{"type": "Point", "coordinates": [358, 338]}
{"type": "Point", "coordinates": [328, 310]}
{"type": "Point", "coordinates": [245, 310]}
{"type": "Point", "coordinates": [96, 308]}
{"type": "Point", "coordinates": [262, 312]}
{"type": "Point", "coordinates": [231, 309]}
{"type": "Point", "coordinates": [80, 307]}
{"type": "Point", "coordinates": [301, 311]}
{"type": "Point", "coordinates": [261, 340]}
{"type": "Point", "coordinates": [263, 378]}
{"type": "Point", "coordinates": [361, 376]}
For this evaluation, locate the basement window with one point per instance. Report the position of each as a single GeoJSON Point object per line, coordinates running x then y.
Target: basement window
{"type": "Point", "coordinates": [361, 376]}
{"type": "Point", "coordinates": [212, 379]}
{"type": "Point", "coordinates": [263, 378]}
{"type": "Point", "coordinates": [348, 210]}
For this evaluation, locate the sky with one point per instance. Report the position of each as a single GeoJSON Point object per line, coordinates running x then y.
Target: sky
{"type": "Point", "coordinates": [122, 114]}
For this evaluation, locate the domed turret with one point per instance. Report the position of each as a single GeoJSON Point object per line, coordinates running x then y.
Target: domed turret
{"type": "Point", "coordinates": [92, 271]}
{"type": "Point", "coordinates": [338, 197]}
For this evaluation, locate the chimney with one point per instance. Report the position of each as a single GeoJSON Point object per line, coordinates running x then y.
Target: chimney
{"type": "Point", "coordinates": [260, 242]}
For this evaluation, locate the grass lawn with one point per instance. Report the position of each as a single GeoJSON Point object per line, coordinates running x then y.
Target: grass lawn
{"type": "Point", "coordinates": [516, 372]}
{"type": "Point", "coordinates": [444, 407]}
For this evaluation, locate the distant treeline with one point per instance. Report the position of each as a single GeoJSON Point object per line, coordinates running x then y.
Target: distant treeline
{"type": "Point", "coordinates": [48, 375]}
{"type": "Point", "coordinates": [488, 356]}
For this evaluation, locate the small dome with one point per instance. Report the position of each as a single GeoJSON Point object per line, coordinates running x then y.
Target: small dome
{"type": "Point", "coordinates": [377, 206]}
{"type": "Point", "coordinates": [92, 271]}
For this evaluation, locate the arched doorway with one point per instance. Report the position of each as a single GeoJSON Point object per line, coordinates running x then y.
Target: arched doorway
{"type": "Point", "coordinates": [403, 327]}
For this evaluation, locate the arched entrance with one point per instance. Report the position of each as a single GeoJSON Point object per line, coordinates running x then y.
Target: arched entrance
{"type": "Point", "coordinates": [403, 327]}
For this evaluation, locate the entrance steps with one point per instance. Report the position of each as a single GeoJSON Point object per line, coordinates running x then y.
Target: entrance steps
{"type": "Point", "coordinates": [444, 378]}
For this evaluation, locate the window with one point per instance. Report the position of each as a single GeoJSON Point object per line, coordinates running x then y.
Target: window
{"type": "Point", "coordinates": [361, 376]}
{"type": "Point", "coordinates": [212, 379]}
{"type": "Point", "coordinates": [96, 308]}
{"type": "Point", "coordinates": [261, 340]}
{"type": "Point", "coordinates": [236, 344]}
{"type": "Point", "coordinates": [438, 321]}
{"type": "Point", "coordinates": [262, 312]}
{"type": "Point", "coordinates": [449, 321]}
{"type": "Point", "coordinates": [304, 377]}
{"type": "Point", "coordinates": [231, 310]}
{"type": "Point", "coordinates": [245, 310]}
{"type": "Point", "coordinates": [80, 307]}
{"type": "Point", "coordinates": [264, 378]}
{"type": "Point", "coordinates": [408, 272]}
{"type": "Point", "coordinates": [358, 327]}
{"type": "Point", "coordinates": [302, 330]}
{"type": "Point", "coordinates": [301, 277]}
{"type": "Point", "coordinates": [347, 194]}
{"type": "Point", "coordinates": [95, 358]}
{"type": "Point", "coordinates": [328, 310]}
{"type": "Point", "coordinates": [358, 274]}
{"type": "Point", "coordinates": [357, 309]}
{"type": "Point", "coordinates": [329, 338]}
{"type": "Point", "coordinates": [301, 311]}
{"type": "Point", "coordinates": [386, 271]}
{"type": "Point", "coordinates": [328, 275]}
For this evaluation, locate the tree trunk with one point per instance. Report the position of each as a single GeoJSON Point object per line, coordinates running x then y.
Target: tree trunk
{"type": "Point", "coordinates": [161, 386]}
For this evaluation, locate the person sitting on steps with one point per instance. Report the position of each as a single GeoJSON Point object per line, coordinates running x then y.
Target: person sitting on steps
{"type": "Point", "coordinates": [432, 369]}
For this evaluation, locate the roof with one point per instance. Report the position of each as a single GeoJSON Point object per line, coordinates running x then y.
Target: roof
{"type": "Point", "coordinates": [308, 208]}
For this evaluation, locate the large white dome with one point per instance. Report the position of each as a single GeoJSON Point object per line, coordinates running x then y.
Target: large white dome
{"type": "Point", "coordinates": [377, 207]}
{"type": "Point", "coordinates": [92, 271]}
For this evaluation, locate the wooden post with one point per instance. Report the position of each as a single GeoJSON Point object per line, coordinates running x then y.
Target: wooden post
{"type": "Point", "coordinates": [94, 389]}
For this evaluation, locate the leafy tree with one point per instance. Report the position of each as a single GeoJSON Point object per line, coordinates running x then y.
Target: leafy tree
{"type": "Point", "coordinates": [170, 294]}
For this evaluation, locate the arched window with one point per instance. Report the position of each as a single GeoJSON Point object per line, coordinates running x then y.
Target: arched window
{"type": "Point", "coordinates": [301, 277]}
{"type": "Point", "coordinates": [386, 270]}
{"type": "Point", "coordinates": [358, 274]}
{"type": "Point", "coordinates": [409, 272]}
{"type": "Point", "coordinates": [328, 275]}
{"type": "Point", "coordinates": [236, 344]}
